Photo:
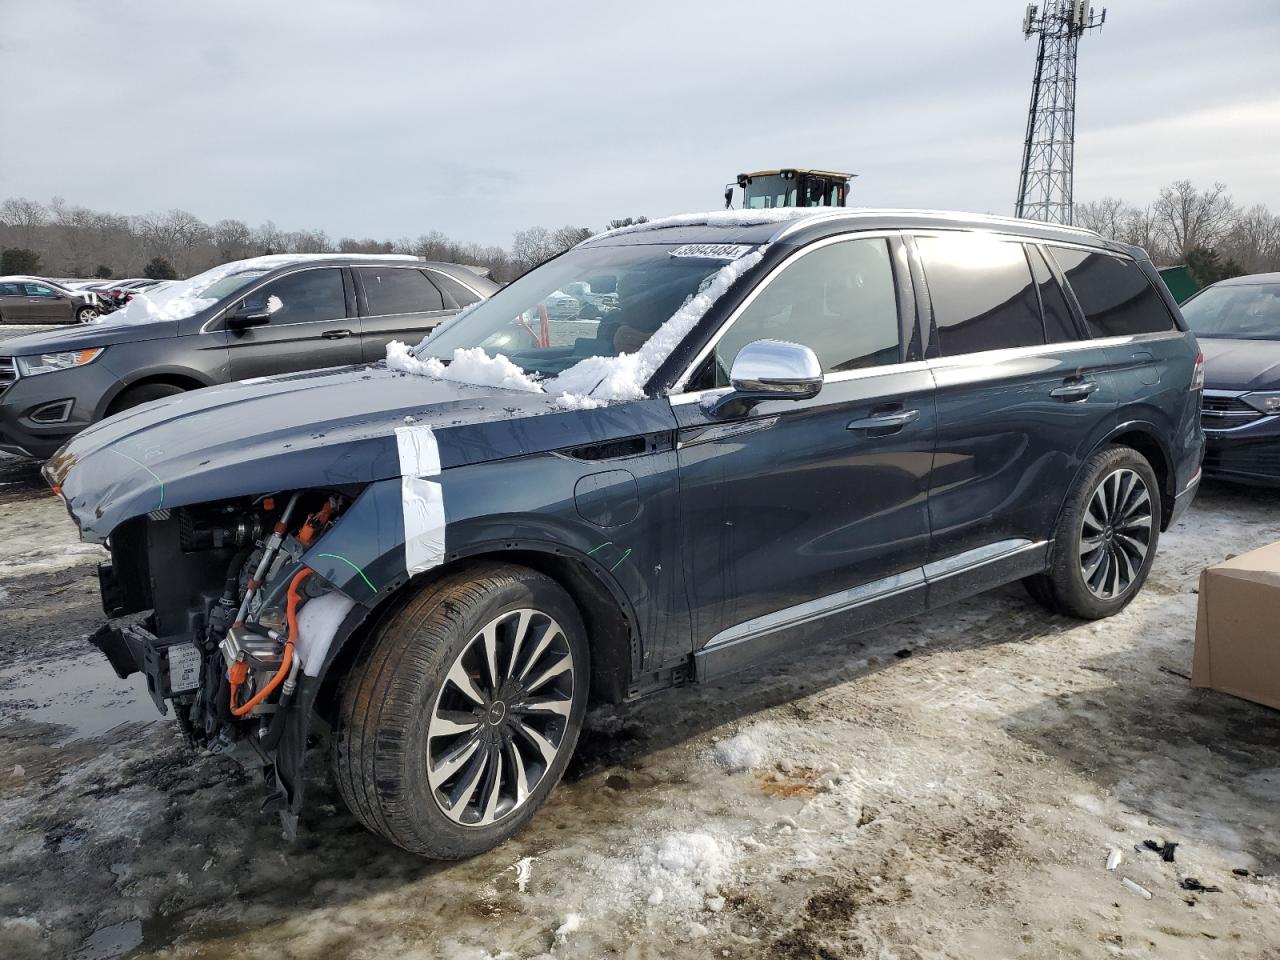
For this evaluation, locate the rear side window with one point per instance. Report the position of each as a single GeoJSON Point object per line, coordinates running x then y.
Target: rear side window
{"type": "Point", "coordinates": [982, 292]}
{"type": "Point", "coordinates": [839, 301]}
{"type": "Point", "coordinates": [453, 290]}
{"type": "Point", "coordinates": [1058, 325]}
{"type": "Point", "coordinates": [1116, 296]}
{"type": "Point", "coordinates": [9, 290]}
{"type": "Point", "coordinates": [392, 290]}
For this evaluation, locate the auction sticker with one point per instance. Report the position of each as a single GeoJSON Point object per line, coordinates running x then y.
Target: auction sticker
{"type": "Point", "coordinates": [712, 251]}
{"type": "Point", "coordinates": [184, 667]}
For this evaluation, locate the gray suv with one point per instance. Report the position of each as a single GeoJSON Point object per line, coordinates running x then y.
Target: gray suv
{"type": "Point", "coordinates": [34, 300]}
{"type": "Point", "coordinates": [250, 318]}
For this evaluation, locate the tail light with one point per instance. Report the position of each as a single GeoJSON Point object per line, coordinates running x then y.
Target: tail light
{"type": "Point", "coordinates": [1197, 375]}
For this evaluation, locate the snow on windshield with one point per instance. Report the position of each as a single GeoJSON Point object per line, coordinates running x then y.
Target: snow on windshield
{"type": "Point", "coordinates": [593, 380]}
{"type": "Point", "coordinates": [719, 218]}
{"type": "Point", "coordinates": [186, 298]}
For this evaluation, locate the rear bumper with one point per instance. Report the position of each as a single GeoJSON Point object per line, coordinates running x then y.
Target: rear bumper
{"type": "Point", "coordinates": [1183, 499]}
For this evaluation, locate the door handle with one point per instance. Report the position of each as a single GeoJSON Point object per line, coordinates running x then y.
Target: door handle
{"type": "Point", "coordinates": [1075, 390]}
{"type": "Point", "coordinates": [882, 421]}
{"type": "Point", "coordinates": [336, 334]}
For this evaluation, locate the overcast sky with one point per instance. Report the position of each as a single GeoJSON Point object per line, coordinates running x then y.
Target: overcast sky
{"type": "Point", "coordinates": [478, 119]}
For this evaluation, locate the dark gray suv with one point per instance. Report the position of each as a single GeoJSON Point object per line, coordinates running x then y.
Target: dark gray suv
{"type": "Point", "coordinates": [783, 427]}
{"type": "Point", "coordinates": [250, 318]}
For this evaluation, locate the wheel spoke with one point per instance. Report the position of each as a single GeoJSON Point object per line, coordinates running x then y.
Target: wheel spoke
{"type": "Point", "coordinates": [452, 761]}
{"type": "Point", "coordinates": [465, 789]}
{"type": "Point", "coordinates": [489, 640]}
{"type": "Point", "coordinates": [563, 665]}
{"type": "Point", "coordinates": [1091, 516]}
{"type": "Point", "coordinates": [450, 722]}
{"type": "Point", "coordinates": [459, 677]}
{"type": "Point", "coordinates": [1124, 569]}
{"type": "Point", "coordinates": [539, 649]}
{"type": "Point", "coordinates": [1089, 544]}
{"type": "Point", "coordinates": [548, 705]}
{"type": "Point", "coordinates": [522, 630]}
{"type": "Point", "coordinates": [492, 792]}
{"type": "Point", "coordinates": [544, 746]}
{"type": "Point", "coordinates": [521, 772]}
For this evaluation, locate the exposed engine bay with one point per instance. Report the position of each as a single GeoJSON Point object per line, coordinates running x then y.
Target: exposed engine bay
{"type": "Point", "coordinates": [214, 605]}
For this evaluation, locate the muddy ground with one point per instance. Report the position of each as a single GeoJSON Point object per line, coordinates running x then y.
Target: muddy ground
{"type": "Point", "coordinates": [948, 787]}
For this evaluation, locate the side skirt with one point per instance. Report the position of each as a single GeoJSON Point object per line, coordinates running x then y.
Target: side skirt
{"type": "Point", "coordinates": [869, 605]}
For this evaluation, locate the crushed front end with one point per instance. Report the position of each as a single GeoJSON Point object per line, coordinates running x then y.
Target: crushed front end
{"type": "Point", "coordinates": [214, 606]}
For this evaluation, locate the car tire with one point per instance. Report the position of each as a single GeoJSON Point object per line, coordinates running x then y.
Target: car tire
{"type": "Point", "coordinates": [1106, 538]}
{"type": "Point", "coordinates": [431, 749]}
{"type": "Point", "coordinates": [143, 393]}
{"type": "Point", "coordinates": [86, 315]}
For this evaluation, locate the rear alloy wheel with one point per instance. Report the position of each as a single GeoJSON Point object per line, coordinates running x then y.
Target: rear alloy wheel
{"type": "Point", "coordinates": [1105, 540]}
{"type": "Point", "coordinates": [463, 710]}
{"type": "Point", "coordinates": [1115, 534]}
{"type": "Point", "coordinates": [86, 315]}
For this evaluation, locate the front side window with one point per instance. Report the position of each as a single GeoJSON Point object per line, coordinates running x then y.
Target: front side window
{"type": "Point", "coordinates": [1244, 311]}
{"type": "Point", "coordinates": [304, 297]}
{"type": "Point", "coordinates": [839, 301]}
{"type": "Point", "coordinates": [1116, 296]}
{"type": "Point", "coordinates": [398, 290]}
{"type": "Point", "coordinates": [39, 290]}
{"type": "Point", "coordinates": [982, 292]}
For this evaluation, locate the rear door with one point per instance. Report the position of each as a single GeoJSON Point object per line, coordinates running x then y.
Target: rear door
{"type": "Point", "coordinates": [1022, 399]}
{"type": "Point", "coordinates": [14, 307]}
{"type": "Point", "coordinates": [800, 515]}
{"type": "Point", "coordinates": [396, 303]}
{"type": "Point", "coordinates": [312, 325]}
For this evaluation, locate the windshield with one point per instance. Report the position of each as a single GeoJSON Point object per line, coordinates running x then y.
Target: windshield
{"type": "Point", "coordinates": [590, 302]}
{"type": "Point", "coordinates": [1238, 311]}
{"type": "Point", "coordinates": [770, 191]}
{"type": "Point", "coordinates": [226, 286]}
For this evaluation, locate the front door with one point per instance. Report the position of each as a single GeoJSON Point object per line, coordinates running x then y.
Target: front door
{"type": "Point", "coordinates": [1023, 397]}
{"type": "Point", "coordinates": [808, 518]}
{"type": "Point", "coordinates": [45, 305]}
{"type": "Point", "coordinates": [310, 326]}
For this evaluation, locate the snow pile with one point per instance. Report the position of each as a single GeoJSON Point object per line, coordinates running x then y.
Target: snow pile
{"type": "Point", "coordinates": [591, 381]}
{"type": "Point", "coordinates": [746, 751]}
{"type": "Point", "coordinates": [469, 365]}
{"type": "Point", "coordinates": [684, 866]}
{"type": "Point", "coordinates": [720, 218]}
{"type": "Point", "coordinates": [183, 299]}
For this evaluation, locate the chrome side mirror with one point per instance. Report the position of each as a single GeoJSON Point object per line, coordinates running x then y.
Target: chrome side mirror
{"type": "Point", "coordinates": [769, 370]}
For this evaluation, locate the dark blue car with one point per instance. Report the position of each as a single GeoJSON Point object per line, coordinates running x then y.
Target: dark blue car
{"type": "Point", "coordinates": [781, 426]}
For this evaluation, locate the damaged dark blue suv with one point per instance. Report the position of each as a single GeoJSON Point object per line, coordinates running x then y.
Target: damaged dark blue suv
{"type": "Point", "coordinates": [747, 431]}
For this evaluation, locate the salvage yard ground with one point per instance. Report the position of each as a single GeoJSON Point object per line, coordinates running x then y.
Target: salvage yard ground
{"type": "Point", "coordinates": [948, 787]}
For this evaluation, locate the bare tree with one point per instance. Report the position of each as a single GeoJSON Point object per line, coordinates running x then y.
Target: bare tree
{"type": "Point", "coordinates": [1254, 240]}
{"type": "Point", "coordinates": [24, 217]}
{"type": "Point", "coordinates": [1105, 216]}
{"type": "Point", "coordinates": [231, 239]}
{"type": "Point", "coordinates": [1187, 217]}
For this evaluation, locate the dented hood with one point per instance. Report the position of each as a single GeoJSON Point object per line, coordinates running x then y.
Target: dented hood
{"type": "Point", "coordinates": [326, 428]}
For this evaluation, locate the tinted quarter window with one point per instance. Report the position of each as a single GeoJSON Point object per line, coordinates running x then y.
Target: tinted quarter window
{"type": "Point", "coordinates": [839, 300]}
{"type": "Point", "coordinates": [982, 292]}
{"type": "Point", "coordinates": [453, 289]}
{"type": "Point", "coordinates": [1058, 325]}
{"type": "Point", "coordinates": [1115, 295]}
{"type": "Point", "coordinates": [398, 290]}
{"type": "Point", "coordinates": [305, 297]}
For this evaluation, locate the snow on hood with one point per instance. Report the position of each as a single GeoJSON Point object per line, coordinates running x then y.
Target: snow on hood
{"type": "Point", "coordinates": [592, 381]}
{"type": "Point", "coordinates": [183, 299]}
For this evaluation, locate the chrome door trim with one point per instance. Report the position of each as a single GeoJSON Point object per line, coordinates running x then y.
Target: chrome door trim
{"type": "Point", "coordinates": [821, 607]}
{"type": "Point", "coordinates": [881, 589]}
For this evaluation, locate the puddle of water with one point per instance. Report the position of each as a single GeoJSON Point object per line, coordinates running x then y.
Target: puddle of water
{"type": "Point", "coordinates": [82, 694]}
{"type": "Point", "coordinates": [108, 943]}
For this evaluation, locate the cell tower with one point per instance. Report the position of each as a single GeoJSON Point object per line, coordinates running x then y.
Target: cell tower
{"type": "Point", "coordinates": [1044, 189]}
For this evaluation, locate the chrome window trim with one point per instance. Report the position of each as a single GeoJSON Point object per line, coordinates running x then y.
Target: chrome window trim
{"type": "Point", "coordinates": [854, 597]}
{"type": "Point", "coordinates": [683, 379]}
{"type": "Point", "coordinates": [843, 376]}
{"type": "Point", "coordinates": [962, 221]}
{"type": "Point", "coordinates": [1065, 346]}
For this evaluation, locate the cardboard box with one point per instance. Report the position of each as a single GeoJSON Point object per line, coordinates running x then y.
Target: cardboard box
{"type": "Point", "coordinates": [1238, 627]}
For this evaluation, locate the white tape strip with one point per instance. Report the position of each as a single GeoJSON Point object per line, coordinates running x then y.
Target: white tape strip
{"type": "Point", "coordinates": [422, 499]}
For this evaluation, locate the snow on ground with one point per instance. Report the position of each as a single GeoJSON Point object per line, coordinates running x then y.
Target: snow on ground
{"type": "Point", "coordinates": [947, 787]}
